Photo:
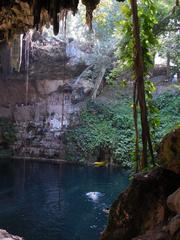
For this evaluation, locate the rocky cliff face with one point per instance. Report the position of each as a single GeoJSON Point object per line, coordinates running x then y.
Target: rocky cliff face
{"type": "Point", "coordinates": [44, 96]}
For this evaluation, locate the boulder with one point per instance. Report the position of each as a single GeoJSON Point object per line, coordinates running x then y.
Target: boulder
{"type": "Point", "coordinates": [174, 227]}
{"type": "Point", "coordinates": [169, 151]}
{"type": "Point", "coordinates": [173, 201]}
{"type": "Point", "coordinates": [142, 206]}
{"type": "Point", "coordinates": [4, 235]}
{"type": "Point", "coordinates": [155, 234]}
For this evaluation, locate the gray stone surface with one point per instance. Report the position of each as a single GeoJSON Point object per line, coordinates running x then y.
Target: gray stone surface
{"type": "Point", "coordinates": [4, 235]}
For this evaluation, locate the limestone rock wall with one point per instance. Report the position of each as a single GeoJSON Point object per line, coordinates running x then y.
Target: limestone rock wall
{"type": "Point", "coordinates": [53, 98]}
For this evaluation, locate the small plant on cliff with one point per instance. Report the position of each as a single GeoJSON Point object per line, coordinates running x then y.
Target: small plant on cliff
{"type": "Point", "coordinates": [104, 128]}
{"type": "Point", "coordinates": [111, 127]}
{"type": "Point", "coordinates": [7, 131]}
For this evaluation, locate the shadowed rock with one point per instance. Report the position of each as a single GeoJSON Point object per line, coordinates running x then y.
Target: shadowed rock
{"type": "Point", "coordinates": [142, 206]}
{"type": "Point", "coordinates": [169, 151]}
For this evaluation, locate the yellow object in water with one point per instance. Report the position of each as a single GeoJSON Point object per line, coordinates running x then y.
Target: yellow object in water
{"type": "Point", "coordinates": [100, 164]}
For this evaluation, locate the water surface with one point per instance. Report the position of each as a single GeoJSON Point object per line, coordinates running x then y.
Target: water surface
{"type": "Point", "coordinates": [42, 201]}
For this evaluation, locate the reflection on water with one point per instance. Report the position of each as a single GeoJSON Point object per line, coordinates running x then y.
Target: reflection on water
{"type": "Point", "coordinates": [94, 196]}
{"type": "Point", "coordinates": [56, 202]}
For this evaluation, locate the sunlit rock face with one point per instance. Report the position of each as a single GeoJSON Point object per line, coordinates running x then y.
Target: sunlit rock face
{"type": "Point", "coordinates": [4, 235]}
{"type": "Point", "coordinates": [44, 78]}
{"type": "Point", "coordinates": [48, 94]}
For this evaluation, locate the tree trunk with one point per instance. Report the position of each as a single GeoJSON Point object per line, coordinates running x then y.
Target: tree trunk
{"type": "Point", "coordinates": [140, 89]}
{"type": "Point", "coordinates": [178, 76]}
{"type": "Point", "coordinates": [135, 116]}
{"type": "Point", "coordinates": [168, 66]}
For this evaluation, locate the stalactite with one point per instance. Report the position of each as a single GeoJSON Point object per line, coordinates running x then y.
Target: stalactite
{"type": "Point", "coordinates": [90, 6]}
{"type": "Point", "coordinates": [55, 17]}
{"type": "Point", "coordinates": [32, 17]}
{"type": "Point", "coordinates": [37, 13]}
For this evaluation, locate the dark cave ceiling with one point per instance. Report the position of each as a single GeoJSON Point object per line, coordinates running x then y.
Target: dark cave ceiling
{"type": "Point", "coordinates": [21, 15]}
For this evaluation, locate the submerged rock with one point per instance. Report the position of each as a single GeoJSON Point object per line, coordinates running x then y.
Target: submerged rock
{"type": "Point", "coordinates": [142, 206]}
{"type": "Point", "coordinates": [4, 235]}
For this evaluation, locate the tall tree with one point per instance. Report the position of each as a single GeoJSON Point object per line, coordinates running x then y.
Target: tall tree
{"type": "Point", "coordinates": [139, 91]}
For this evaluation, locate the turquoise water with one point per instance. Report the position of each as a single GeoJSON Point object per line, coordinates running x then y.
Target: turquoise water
{"type": "Point", "coordinates": [42, 201]}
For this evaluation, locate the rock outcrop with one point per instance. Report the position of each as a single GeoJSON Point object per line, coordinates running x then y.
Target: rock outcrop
{"type": "Point", "coordinates": [18, 16]}
{"type": "Point", "coordinates": [155, 234]}
{"type": "Point", "coordinates": [61, 76]}
{"type": "Point", "coordinates": [169, 151]}
{"type": "Point", "coordinates": [173, 226]}
{"type": "Point", "coordinates": [4, 235]}
{"type": "Point", "coordinates": [142, 207]}
{"type": "Point", "coordinates": [173, 201]}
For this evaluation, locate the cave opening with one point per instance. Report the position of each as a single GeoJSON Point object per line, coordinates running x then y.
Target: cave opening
{"type": "Point", "coordinates": [81, 91]}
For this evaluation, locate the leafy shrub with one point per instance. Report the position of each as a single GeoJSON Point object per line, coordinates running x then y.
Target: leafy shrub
{"type": "Point", "coordinates": [7, 131]}
{"type": "Point", "coordinates": [169, 113]}
{"type": "Point", "coordinates": [111, 127]}
{"type": "Point", "coordinates": [104, 127]}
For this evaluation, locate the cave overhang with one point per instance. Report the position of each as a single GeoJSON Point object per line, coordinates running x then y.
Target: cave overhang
{"type": "Point", "coordinates": [18, 16]}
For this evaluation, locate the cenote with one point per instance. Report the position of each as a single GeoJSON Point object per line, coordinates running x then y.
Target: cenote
{"type": "Point", "coordinates": [57, 201]}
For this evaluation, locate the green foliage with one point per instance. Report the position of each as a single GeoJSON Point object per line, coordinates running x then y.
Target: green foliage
{"type": "Point", "coordinates": [111, 127]}
{"type": "Point", "coordinates": [104, 20]}
{"type": "Point", "coordinates": [169, 112]}
{"type": "Point", "coordinates": [168, 30]}
{"type": "Point", "coordinates": [164, 7]}
{"type": "Point", "coordinates": [104, 127]}
{"type": "Point", "coordinates": [124, 30]}
{"type": "Point", "coordinates": [7, 137]}
{"type": "Point", "coordinates": [153, 113]}
{"type": "Point", "coordinates": [170, 45]}
{"type": "Point", "coordinates": [7, 131]}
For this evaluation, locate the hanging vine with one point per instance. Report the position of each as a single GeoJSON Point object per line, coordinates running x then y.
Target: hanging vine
{"type": "Point", "coordinates": [135, 52]}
